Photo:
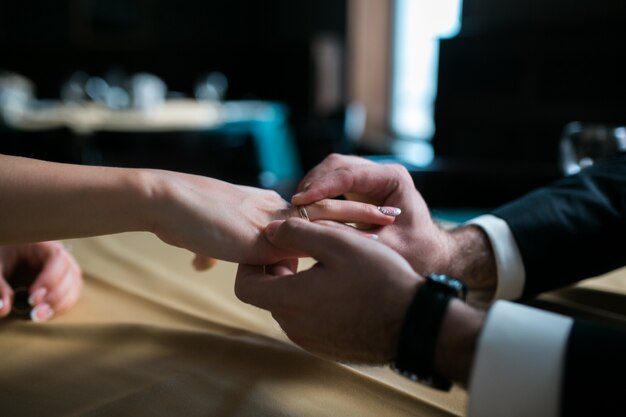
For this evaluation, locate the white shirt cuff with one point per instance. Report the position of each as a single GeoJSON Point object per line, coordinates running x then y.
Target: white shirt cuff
{"type": "Point", "coordinates": [509, 264]}
{"type": "Point", "coordinates": [519, 362]}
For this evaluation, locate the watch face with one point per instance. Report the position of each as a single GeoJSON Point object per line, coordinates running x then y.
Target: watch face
{"type": "Point", "coordinates": [454, 286]}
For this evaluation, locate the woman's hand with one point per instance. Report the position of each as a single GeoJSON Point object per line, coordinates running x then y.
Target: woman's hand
{"type": "Point", "coordinates": [220, 220]}
{"type": "Point", "coordinates": [209, 217]}
{"type": "Point", "coordinates": [56, 286]}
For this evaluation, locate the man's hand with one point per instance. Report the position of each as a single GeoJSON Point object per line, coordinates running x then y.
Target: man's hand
{"type": "Point", "coordinates": [464, 253]}
{"type": "Point", "coordinates": [349, 306]}
{"type": "Point", "coordinates": [414, 234]}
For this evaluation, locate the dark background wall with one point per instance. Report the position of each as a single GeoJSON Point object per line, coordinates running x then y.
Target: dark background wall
{"type": "Point", "coordinates": [516, 74]}
{"type": "Point", "coordinates": [263, 47]}
{"type": "Point", "coordinates": [508, 83]}
{"type": "Point", "coordinates": [521, 69]}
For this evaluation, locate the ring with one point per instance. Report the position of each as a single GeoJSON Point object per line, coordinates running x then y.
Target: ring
{"type": "Point", "coordinates": [20, 301]}
{"type": "Point", "coordinates": [303, 213]}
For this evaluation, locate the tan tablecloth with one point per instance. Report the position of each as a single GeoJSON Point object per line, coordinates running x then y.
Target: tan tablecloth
{"type": "Point", "coordinates": [152, 337]}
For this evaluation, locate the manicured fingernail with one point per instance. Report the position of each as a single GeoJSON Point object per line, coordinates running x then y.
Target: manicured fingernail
{"type": "Point", "coordinates": [373, 237]}
{"type": "Point", "coordinates": [1, 304]}
{"type": "Point", "coordinates": [37, 296]}
{"type": "Point", "coordinates": [297, 195]}
{"type": "Point", "coordinates": [43, 312]}
{"type": "Point", "coordinates": [390, 211]}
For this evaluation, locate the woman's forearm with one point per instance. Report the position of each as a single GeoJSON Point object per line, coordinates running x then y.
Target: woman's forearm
{"type": "Point", "coordinates": [42, 200]}
{"type": "Point", "coordinates": [48, 201]}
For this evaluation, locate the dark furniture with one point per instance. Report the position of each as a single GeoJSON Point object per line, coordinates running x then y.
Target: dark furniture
{"type": "Point", "coordinates": [509, 82]}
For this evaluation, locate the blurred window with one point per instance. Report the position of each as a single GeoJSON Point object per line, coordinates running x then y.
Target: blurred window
{"type": "Point", "coordinates": [419, 24]}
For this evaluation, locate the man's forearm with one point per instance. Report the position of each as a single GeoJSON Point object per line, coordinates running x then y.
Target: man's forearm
{"type": "Point", "coordinates": [43, 200]}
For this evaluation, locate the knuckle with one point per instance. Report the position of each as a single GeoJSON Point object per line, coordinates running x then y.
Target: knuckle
{"type": "Point", "coordinates": [292, 223]}
{"type": "Point", "coordinates": [324, 205]}
{"type": "Point", "coordinates": [291, 226]}
{"type": "Point", "coordinates": [344, 170]}
{"type": "Point", "coordinates": [402, 174]}
{"type": "Point", "coordinates": [264, 195]}
{"type": "Point", "coordinates": [399, 169]}
{"type": "Point", "coordinates": [334, 157]}
{"type": "Point", "coordinates": [345, 175]}
{"type": "Point", "coordinates": [371, 210]}
{"type": "Point", "coordinates": [273, 194]}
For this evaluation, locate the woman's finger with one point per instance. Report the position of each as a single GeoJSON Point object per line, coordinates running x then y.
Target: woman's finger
{"type": "Point", "coordinates": [58, 285]}
{"type": "Point", "coordinates": [6, 297]}
{"type": "Point", "coordinates": [348, 212]}
{"type": "Point", "coordinates": [202, 263]}
{"type": "Point", "coordinates": [53, 272]}
{"type": "Point", "coordinates": [68, 298]}
{"type": "Point", "coordinates": [57, 293]}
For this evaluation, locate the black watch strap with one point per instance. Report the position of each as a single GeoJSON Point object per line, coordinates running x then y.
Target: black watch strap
{"type": "Point", "coordinates": [416, 345]}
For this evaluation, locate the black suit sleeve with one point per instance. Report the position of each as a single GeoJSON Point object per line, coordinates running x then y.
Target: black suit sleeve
{"type": "Point", "coordinates": [572, 229]}
{"type": "Point", "coordinates": [594, 377]}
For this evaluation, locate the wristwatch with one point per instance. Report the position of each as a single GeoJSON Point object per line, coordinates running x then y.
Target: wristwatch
{"type": "Point", "coordinates": [416, 346]}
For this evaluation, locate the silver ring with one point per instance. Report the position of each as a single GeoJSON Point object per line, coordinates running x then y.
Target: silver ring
{"type": "Point", "coordinates": [303, 213]}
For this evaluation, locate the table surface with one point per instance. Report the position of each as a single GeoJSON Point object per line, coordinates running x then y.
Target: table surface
{"type": "Point", "coordinates": [152, 337]}
{"type": "Point", "coordinates": [90, 117]}
{"type": "Point", "coordinates": [266, 122]}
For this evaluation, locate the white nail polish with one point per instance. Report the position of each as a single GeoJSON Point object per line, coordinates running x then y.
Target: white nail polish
{"type": "Point", "coordinates": [39, 293]}
{"type": "Point", "coordinates": [1, 304]}
{"type": "Point", "coordinates": [390, 211]}
{"type": "Point", "coordinates": [42, 312]}
{"type": "Point", "coordinates": [374, 237]}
